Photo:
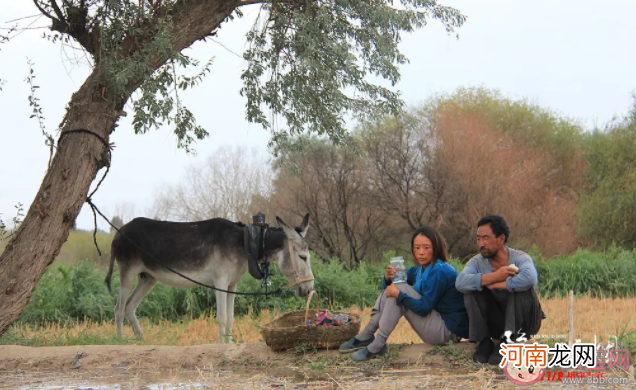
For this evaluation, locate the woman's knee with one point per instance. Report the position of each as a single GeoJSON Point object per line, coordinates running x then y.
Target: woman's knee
{"type": "Point", "coordinates": [408, 290]}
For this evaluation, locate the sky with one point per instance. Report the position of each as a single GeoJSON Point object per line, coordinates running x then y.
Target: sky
{"type": "Point", "coordinates": [575, 57]}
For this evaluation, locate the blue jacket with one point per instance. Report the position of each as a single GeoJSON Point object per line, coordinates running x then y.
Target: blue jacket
{"type": "Point", "coordinates": [438, 292]}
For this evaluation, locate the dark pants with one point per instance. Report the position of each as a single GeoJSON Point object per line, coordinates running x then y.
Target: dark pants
{"type": "Point", "coordinates": [491, 313]}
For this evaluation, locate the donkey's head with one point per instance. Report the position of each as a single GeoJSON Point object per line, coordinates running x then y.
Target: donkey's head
{"type": "Point", "coordinates": [294, 261]}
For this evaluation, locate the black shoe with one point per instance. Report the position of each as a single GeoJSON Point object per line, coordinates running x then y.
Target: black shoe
{"type": "Point", "coordinates": [495, 356]}
{"type": "Point", "coordinates": [365, 354]}
{"type": "Point", "coordinates": [484, 350]}
{"type": "Point", "coordinates": [354, 344]}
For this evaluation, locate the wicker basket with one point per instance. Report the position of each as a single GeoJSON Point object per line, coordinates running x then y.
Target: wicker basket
{"type": "Point", "coordinates": [291, 329]}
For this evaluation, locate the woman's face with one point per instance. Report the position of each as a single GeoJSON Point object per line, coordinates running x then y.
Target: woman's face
{"type": "Point", "coordinates": [422, 249]}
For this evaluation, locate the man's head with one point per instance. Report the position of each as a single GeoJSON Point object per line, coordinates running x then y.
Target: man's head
{"type": "Point", "coordinates": [492, 235]}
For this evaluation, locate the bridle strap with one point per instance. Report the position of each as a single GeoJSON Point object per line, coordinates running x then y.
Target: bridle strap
{"type": "Point", "coordinates": [297, 277]}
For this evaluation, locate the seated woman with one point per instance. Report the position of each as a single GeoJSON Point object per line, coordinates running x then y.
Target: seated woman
{"type": "Point", "coordinates": [428, 300]}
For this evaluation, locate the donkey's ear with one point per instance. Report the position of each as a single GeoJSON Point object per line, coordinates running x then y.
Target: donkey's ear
{"type": "Point", "coordinates": [289, 232]}
{"type": "Point", "coordinates": [302, 229]}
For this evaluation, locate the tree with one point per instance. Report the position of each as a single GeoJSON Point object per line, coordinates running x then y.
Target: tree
{"type": "Point", "coordinates": [303, 56]}
{"type": "Point", "coordinates": [332, 186]}
{"type": "Point", "coordinates": [397, 154]}
{"type": "Point", "coordinates": [223, 186]}
{"type": "Point", "coordinates": [447, 163]}
{"type": "Point", "coordinates": [607, 209]}
{"type": "Point", "coordinates": [117, 223]}
{"type": "Point", "coordinates": [494, 155]}
{"type": "Point", "coordinates": [125, 211]}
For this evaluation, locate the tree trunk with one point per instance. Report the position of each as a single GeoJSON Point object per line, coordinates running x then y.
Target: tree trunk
{"type": "Point", "coordinates": [77, 160]}
{"type": "Point", "coordinates": [58, 202]}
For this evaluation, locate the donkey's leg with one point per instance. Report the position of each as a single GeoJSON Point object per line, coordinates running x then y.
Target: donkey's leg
{"type": "Point", "coordinates": [126, 278]}
{"type": "Point", "coordinates": [230, 312]}
{"type": "Point", "coordinates": [145, 283]}
{"type": "Point", "coordinates": [221, 311]}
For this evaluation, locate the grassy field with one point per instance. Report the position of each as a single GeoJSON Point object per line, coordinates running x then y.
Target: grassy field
{"type": "Point", "coordinates": [598, 317]}
{"type": "Point", "coordinates": [72, 306]}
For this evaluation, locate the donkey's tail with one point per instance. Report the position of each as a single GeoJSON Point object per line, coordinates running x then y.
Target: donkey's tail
{"type": "Point", "coordinates": [110, 270]}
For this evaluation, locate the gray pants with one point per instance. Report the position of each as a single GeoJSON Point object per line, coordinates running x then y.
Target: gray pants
{"type": "Point", "coordinates": [387, 313]}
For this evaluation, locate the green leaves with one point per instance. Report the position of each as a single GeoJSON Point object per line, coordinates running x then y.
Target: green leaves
{"type": "Point", "coordinates": [607, 207]}
{"type": "Point", "coordinates": [36, 109]}
{"type": "Point", "coordinates": [69, 294]}
{"type": "Point", "coordinates": [609, 274]}
{"type": "Point", "coordinates": [158, 101]}
{"type": "Point", "coordinates": [310, 61]}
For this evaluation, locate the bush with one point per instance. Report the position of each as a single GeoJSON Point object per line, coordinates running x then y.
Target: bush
{"type": "Point", "coordinates": [607, 206]}
{"type": "Point", "coordinates": [74, 293]}
{"type": "Point", "coordinates": [67, 294]}
{"type": "Point", "coordinates": [609, 274]}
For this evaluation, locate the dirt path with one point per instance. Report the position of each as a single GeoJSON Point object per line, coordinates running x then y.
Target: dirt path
{"type": "Point", "coordinates": [239, 366]}
{"type": "Point", "coordinates": [161, 358]}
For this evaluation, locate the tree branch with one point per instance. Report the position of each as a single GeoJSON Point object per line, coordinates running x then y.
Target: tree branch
{"type": "Point", "coordinates": [193, 20]}
{"type": "Point", "coordinates": [57, 10]}
{"type": "Point", "coordinates": [250, 2]}
{"type": "Point", "coordinates": [43, 11]}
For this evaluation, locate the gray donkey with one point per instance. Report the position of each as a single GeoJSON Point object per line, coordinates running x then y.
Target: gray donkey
{"type": "Point", "coordinates": [210, 252]}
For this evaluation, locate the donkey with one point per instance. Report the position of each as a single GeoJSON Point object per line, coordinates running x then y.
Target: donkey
{"type": "Point", "coordinates": [210, 252]}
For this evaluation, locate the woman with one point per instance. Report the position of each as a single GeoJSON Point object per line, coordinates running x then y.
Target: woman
{"type": "Point", "coordinates": [428, 300]}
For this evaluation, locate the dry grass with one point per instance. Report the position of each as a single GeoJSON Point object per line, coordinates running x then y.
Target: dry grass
{"type": "Point", "coordinates": [593, 317]}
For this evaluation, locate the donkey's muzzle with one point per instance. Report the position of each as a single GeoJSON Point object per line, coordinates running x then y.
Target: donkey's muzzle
{"type": "Point", "coordinates": [303, 289]}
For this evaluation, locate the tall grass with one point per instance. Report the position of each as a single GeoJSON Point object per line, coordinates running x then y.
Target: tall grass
{"type": "Point", "coordinates": [68, 294]}
{"type": "Point", "coordinates": [608, 274]}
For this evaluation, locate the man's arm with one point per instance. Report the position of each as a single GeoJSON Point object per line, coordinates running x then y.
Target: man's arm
{"type": "Point", "coordinates": [469, 279]}
{"type": "Point", "coordinates": [526, 278]}
{"type": "Point", "coordinates": [500, 285]}
{"type": "Point", "coordinates": [492, 278]}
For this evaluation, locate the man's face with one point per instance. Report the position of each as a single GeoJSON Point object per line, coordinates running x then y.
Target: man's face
{"type": "Point", "coordinates": [488, 244]}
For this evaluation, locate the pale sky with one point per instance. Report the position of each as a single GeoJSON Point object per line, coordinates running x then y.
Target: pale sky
{"type": "Point", "coordinates": [577, 58]}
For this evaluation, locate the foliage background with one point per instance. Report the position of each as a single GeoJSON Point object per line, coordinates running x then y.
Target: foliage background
{"type": "Point", "coordinates": [68, 294]}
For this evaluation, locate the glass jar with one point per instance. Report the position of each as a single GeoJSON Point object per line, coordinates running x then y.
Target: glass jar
{"type": "Point", "coordinates": [400, 269]}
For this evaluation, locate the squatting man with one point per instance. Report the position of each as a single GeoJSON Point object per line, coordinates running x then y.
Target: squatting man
{"type": "Point", "coordinates": [499, 295]}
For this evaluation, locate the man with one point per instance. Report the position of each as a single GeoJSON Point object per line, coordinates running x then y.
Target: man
{"type": "Point", "coordinates": [498, 286]}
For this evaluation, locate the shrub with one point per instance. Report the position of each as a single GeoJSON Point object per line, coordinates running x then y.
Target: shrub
{"type": "Point", "coordinates": [74, 293]}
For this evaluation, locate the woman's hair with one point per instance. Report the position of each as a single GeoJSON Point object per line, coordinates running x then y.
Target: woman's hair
{"type": "Point", "coordinates": [440, 251]}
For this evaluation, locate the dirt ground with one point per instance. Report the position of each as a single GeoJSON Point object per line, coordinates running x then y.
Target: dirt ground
{"type": "Point", "coordinates": [243, 366]}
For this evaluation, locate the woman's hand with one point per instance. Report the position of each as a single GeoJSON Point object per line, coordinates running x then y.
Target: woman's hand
{"type": "Point", "coordinates": [392, 291]}
{"type": "Point", "coordinates": [390, 273]}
